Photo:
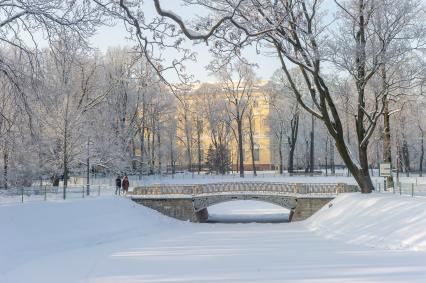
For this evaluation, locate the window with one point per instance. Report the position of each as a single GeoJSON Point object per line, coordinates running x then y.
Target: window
{"type": "Point", "coordinates": [256, 153]}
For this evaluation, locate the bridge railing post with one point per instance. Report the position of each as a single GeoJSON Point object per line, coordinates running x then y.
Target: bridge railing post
{"type": "Point", "coordinates": [298, 189]}
{"type": "Point", "coordinates": [340, 187]}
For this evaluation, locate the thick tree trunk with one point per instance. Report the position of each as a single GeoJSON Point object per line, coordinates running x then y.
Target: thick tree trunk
{"type": "Point", "coordinates": [387, 147]}
{"type": "Point", "coordinates": [363, 160]}
{"type": "Point", "coordinates": [291, 159]}
{"type": "Point", "coordinates": [363, 179]}
{"type": "Point", "coordinates": [361, 175]}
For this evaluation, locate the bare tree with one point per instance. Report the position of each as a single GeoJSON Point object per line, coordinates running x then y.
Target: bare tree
{"type": "Point", "coordinates": [251, 129]}
{"type": "Point", "coordinates": [214, 106]}
{"type": "Point", "coordinates": [294, 29]}
{"type": "Point", "coordinates": [238, 94]}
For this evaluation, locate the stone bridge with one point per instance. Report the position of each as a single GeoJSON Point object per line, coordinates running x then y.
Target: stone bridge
{"type": "Point", "coordinates": [190, 202]}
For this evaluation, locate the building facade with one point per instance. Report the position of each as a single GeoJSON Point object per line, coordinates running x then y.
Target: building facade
{"type": "Point", "coordinates": [207, 117]}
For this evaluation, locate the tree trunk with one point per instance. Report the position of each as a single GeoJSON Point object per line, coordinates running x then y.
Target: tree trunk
{"type": "Point", "coordinates": [333, 169]}
{"type": "Point", "coordinates": [188, 154]}
{"type": "Point", "coordinates": [326, 156]}
{"type": "Point", "coordinates": [199, 145]}
{"type": "Point", "coordinates": [252, 144]}
{"type": "Point", "coordinates": [363, 160]}
{"type": "Point", "coordinates": [363, 179]}
{"type": "Point", "coordinates": [311, 153]}
{"type": "Point", "coordinates": [348, 136]}
{"type": "Point", "coordinates": [5, 168]}
{"type": "Point", "coordinates": [292, 139]}
{"type": "Point", "coordinates": [280, 151]}
{"type": "Point", "coordinates": [65, 154]}
{"type": "Point", "coordinates": [159, 150]}
{"type": "Point", "coordinates": [142, 148]}
{"type": "Point", "coordinates": [152, 161]}
{"type": "Point", "coordinates": [406, 157]}
{"type": "Point", "coordinates": [88, 168]}
{"type": "Point", "coordinates": [387, 147]}
{"type": "Point", "coordinates": [307, 156]}
{"type": "Point", "coordinates": [291, 159]}
{"type": "Point", "coordinates": [422, 154]}
{"type": "Point", "coordinates": [362, 175]}
{"type": "Point", "coordinates": [240, 147]}
{"type": "Point", "coordinates": [172, 155]}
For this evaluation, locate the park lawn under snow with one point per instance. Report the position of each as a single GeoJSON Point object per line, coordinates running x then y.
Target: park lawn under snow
{"type": "Point", "coordinates": [359, 238]}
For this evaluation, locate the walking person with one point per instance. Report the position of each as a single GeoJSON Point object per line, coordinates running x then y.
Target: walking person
{"type": "Point", "coordinates": [118, 185]}
{"type": "Point", "coordinates": [125, 185]}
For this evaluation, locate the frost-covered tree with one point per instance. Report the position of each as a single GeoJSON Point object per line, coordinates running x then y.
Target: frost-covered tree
{"type": "Point", "coordinates": [237, 80]}
{"type": "Point", "coordinates": [296, 32]}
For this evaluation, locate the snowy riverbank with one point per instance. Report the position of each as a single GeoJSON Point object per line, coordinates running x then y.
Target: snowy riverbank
{"type": "Point", "coordinates": [376, 220]}
{"type": "Point", "coordinates": [112, 239]}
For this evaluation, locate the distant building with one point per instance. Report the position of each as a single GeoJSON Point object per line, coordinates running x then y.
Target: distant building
{"type": "Point", "coordinates": [210, 105]}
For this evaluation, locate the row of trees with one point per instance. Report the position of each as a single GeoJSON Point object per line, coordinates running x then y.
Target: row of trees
{"type": "Point", "coordinates": [85, 112]}
{"type": "Point", "coordinates": [352, 72]}
{"type": "Point", "coordinates": [375, 45]}
{"type": "Point", "coordinates": [110, 113]}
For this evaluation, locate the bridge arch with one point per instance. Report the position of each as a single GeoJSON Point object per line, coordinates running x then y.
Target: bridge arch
{"type": "Point", "coordinates": [201, 203]}
{"type": "Point", "coordinates": [248, 211]}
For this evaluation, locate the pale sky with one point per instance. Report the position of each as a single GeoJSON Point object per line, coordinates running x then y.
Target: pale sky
{"type": "Point", "coordinates": [116, 36]}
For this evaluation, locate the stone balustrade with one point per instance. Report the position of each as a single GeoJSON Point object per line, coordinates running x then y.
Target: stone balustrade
{"type": "Point", "coordinates": [244, 187]}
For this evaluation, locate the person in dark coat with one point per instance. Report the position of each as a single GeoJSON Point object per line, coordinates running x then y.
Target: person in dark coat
{"type": "Point", "coordinates": [118, 185]}
{"type": "Point", "coordinates": [125, 185]}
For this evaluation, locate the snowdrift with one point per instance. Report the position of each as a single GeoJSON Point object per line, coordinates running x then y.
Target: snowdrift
{"type": "Point", "coordinates": [375, 220]}
{"type": "Point", "coordinates": [38, 229]}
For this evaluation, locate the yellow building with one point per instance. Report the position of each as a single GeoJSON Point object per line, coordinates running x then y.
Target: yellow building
{"type": "Point", "coordinates": [207, 115]}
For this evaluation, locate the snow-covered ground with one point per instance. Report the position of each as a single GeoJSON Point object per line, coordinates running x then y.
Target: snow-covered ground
{"type": "Point", "coordinates": [376, 220]}
{"type": "Point", "coordinates": [110, 239]}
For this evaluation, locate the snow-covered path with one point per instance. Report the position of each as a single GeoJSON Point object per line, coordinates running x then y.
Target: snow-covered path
{"type": "Point", "coordinates": [158, 249]}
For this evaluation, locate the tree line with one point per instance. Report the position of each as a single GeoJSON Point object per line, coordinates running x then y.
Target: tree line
{"type": "Point", "coordinates": [354, 68]}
